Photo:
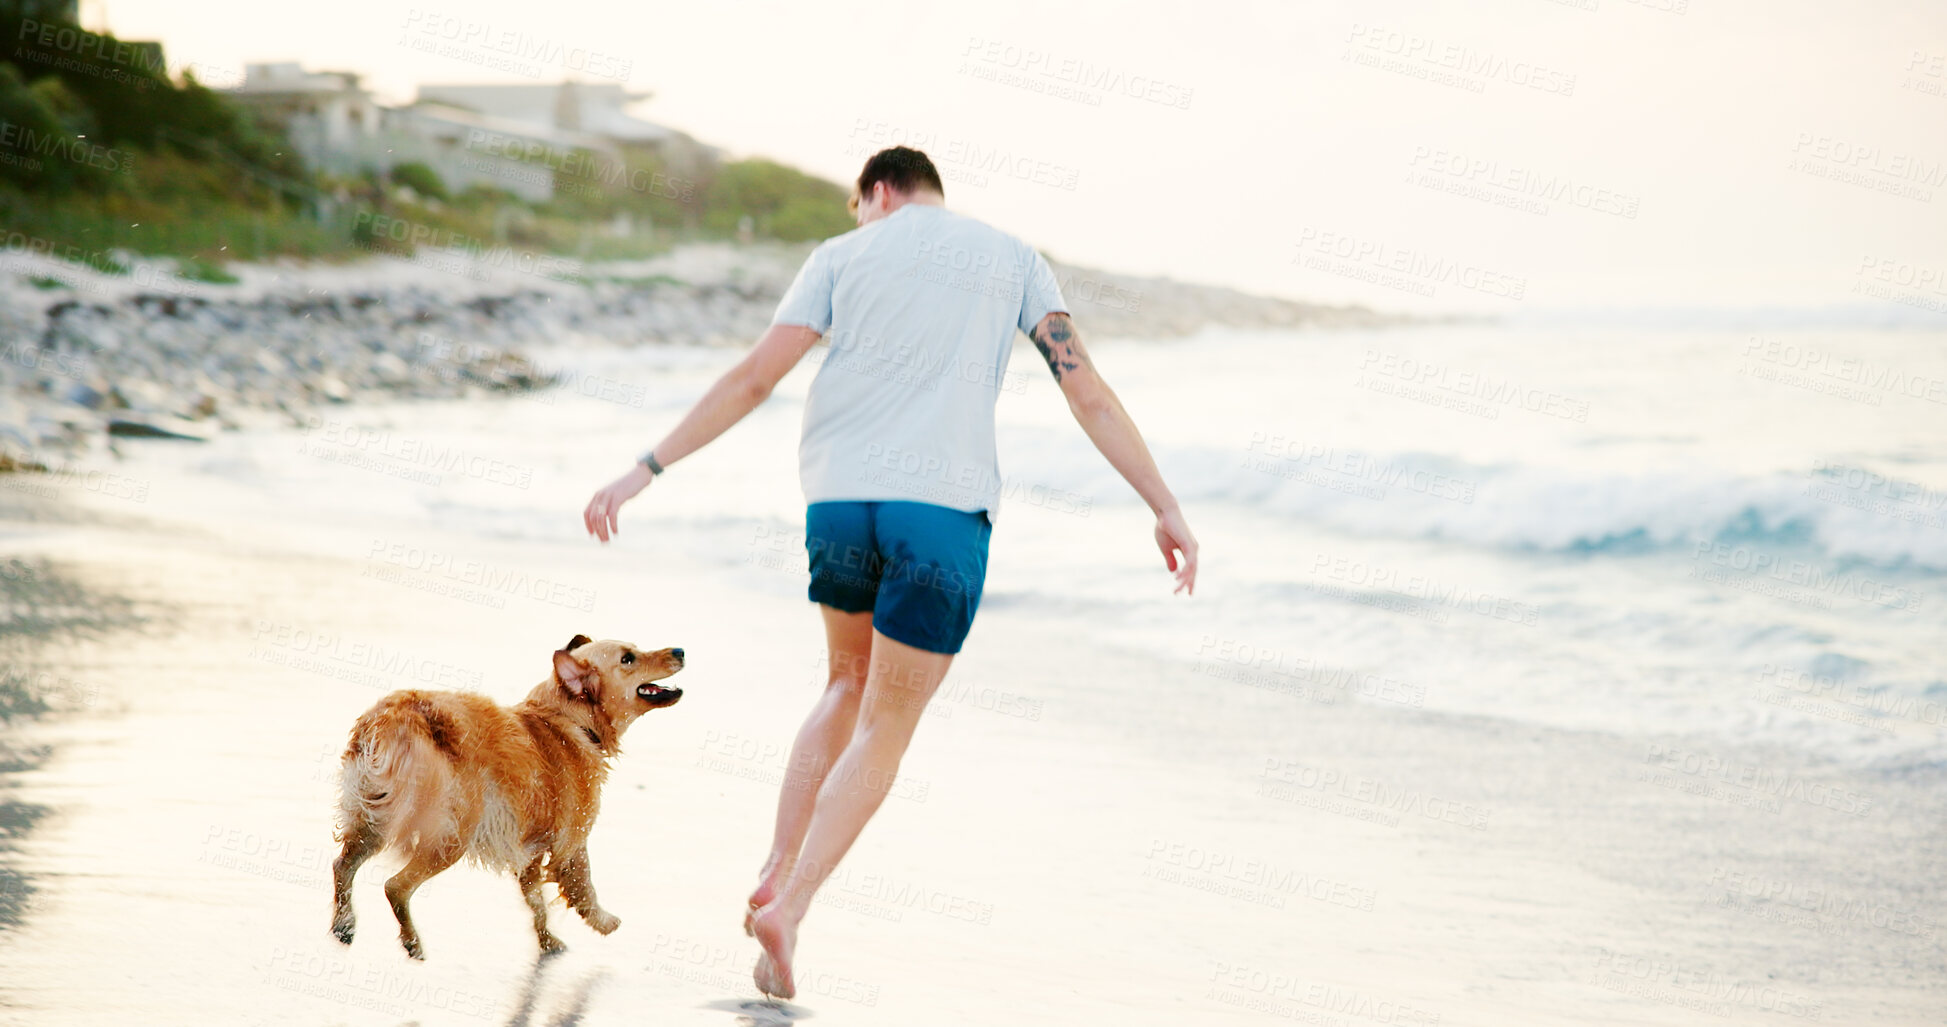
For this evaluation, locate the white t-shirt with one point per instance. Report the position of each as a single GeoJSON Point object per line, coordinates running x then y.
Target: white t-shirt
{"type": "Point", "coordinates": [920, 309]}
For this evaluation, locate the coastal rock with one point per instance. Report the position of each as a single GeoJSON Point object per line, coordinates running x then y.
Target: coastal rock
{"type": "Point", "coordinates": [166, 355]}
{"type": "Point", "coordinates": [144, 429]}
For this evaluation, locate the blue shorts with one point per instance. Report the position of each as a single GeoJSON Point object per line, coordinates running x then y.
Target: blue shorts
{"type": "Point", "coordinates": [918, 567]}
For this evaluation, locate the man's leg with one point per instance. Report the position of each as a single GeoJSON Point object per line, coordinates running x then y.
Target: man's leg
{"type": "Point", "coordinates": [899, 682]}
{"type": "Point", "coordinates": [845, 569]}
{"type": "Point", "coordinates": [848, 643]}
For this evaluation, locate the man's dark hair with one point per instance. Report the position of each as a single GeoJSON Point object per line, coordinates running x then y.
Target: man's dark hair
{"type": "Point", "coordinates": [901, 168]}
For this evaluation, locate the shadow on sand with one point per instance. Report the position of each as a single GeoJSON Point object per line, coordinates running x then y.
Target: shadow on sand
{"type": "Point", "coordinates": [571, 1013]}
{"type": "Point", "coordinates": [761, 1012]}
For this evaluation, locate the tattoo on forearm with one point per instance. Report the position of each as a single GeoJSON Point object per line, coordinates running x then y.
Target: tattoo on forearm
{"type": "Point", "coordinates": [1059, 345]}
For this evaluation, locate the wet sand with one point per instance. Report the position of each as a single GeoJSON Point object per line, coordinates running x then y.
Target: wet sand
{"type": "Point", "coordinates": [1079, 836]}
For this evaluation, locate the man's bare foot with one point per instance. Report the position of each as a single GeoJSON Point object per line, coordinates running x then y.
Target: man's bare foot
{"type": "Point", "coordinates": [770, 879]}
{"type": "Point", "coordinates": [778, 934]}
{"type": "Point", "coordinates": [758, 900]}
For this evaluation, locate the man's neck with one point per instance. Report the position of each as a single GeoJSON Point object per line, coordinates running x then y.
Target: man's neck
{"type": "Point", "coordinates": [918, 199]}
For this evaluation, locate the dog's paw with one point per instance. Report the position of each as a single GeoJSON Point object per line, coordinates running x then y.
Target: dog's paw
{"type": "Point", "coordinates": [343, 932]}
{"type": "Point", "coordinates": [551, 945]}
{"type": "Point", "coordinates": [413, 950]}
{"type": "Point", "coordinates": [604, 922]}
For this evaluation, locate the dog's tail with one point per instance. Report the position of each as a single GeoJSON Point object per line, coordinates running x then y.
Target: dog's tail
{"type": "Point", "coordinates": [394, 781]}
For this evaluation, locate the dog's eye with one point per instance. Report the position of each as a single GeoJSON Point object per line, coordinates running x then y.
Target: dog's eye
{"type": "Point", "coordinates": [628, 657]}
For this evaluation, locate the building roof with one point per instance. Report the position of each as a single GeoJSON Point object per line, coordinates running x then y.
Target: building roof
{"type": "Point", "coordinates": [594, 108]}
{"type": "Point", "coordinates": [290, 77]}
{"type": "Point", "coordinates": [460, 118]}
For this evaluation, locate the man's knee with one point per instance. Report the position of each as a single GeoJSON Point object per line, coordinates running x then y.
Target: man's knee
{"type": "Point", "coordinates": [848, 670]}
{"type": "Point", "coordinates": [891, 710]}
{"type": "Point", "coordinates": [848, 685]}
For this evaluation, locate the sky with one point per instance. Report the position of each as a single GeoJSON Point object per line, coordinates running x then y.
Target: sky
{"type": "Point", "coordinates": [1487, 155]}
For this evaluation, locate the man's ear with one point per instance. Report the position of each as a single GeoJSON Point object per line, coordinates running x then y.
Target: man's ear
{"type": "Point", "coordinates": [572, 674]}
{"type": "Point", "coordinates": [576, 643]}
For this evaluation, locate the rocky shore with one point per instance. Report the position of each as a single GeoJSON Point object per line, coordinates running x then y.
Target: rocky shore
{"type": "Point", "coordinates": [86, 356]}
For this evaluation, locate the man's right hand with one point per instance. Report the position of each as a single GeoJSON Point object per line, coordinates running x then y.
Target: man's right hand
{"type": "Point", "coordinates": [1179, 548]}
{"type": "Point", "coordinates": [599, 516]}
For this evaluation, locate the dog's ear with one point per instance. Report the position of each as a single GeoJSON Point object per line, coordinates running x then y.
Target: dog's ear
{"type": "Point", "coordinates": [576, 643]}
{"type": "Point", "coordinates": [574, 676]}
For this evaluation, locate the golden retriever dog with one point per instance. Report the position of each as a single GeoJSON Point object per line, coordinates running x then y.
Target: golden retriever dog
{"type": "Point", "coordinates": [436, 776]}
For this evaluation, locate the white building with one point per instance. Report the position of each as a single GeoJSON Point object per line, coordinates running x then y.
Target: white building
{"type": "Point", "coordinates": [469, 134]}
{"type": "Point", "coordinates": [324, 112]}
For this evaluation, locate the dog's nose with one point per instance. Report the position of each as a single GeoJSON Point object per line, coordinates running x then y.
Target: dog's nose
{"type": "Point", "coordinates": [678, 653]}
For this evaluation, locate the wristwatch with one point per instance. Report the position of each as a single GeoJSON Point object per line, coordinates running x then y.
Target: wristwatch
{"type": "Point", "coordinates": [649, 460]}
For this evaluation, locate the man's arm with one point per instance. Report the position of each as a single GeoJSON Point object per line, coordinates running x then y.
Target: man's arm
{"type": "Point", "coordinates": [732, 397]}
{"type": "Point", "coordinates": [738, 392]}
{"type": "Point", "coordinates": [1109, 426]}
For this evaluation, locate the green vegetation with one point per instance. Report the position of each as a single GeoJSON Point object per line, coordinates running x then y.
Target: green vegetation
{"type": "Point", "coordinates": [784, 203]}
{"type": "Point", "coordinates": [204, 271]}
{"type": "Point", "coordinates": [420, 179]}
{"type": "Point", "coordinates": [101, 152]}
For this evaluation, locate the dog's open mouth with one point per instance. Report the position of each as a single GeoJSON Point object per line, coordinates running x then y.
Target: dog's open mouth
{"type": "Point", "coordinates": [657, 695]}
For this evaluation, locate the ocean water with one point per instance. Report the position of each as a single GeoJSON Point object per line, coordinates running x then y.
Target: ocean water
{"type": "Point", "coordinates": [1717, 533]}
{"type": "Point", "coordinates": [1736, 535]}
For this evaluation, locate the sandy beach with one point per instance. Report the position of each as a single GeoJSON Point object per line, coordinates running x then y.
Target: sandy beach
{"type": "Point", "coordinates": [1132, 812]}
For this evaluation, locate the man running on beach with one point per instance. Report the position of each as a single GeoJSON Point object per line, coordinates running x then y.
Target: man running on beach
{"type": "Point", "coordinates": [901, 484]}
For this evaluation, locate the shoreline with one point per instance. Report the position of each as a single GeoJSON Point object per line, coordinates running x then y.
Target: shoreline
{"type": "Point", "coordinates": [88, 355]}
{"type": "Point", "coordinates": [1460, 866]}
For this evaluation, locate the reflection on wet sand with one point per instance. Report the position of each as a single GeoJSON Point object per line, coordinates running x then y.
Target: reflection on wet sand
{"type": "Point", "coordinates": [42, 605]}
{"type": "Point", "coordinates": [16, 819]}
